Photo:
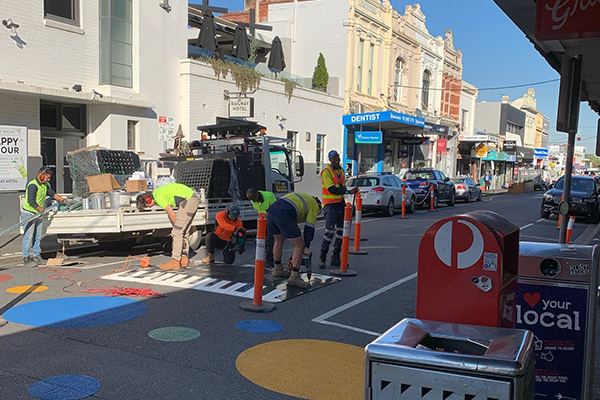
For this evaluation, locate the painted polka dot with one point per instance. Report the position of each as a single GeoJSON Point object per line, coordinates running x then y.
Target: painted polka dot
{"type": "Point", "coordinates": [4, 278]}
{"type": "Point", "coordinates": [258, 326]}
{"type": "Point", "coordinates": [76, 312]}
{"type": "Point", "coordinates": [27, 289]}
{"type": "Point", "coordinates": [174, 334]}
{"type": "Point", "coordinates": [65, 387]}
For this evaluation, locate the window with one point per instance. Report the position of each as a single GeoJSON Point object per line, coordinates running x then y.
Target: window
{"type": "Point", "coordinates": [464, 121]}
{"type": "Point", "coordinates": [62, 10]}
{"type": "Point", "coordinates": [62, 117]}
{"type": "Point", "coordinates": [116, 42]}
{"type": "Point", "coordinates": [320, 149]}
{"type": "Point", "coordinates": [131, 134]}
{"type": "Point", "coordinates": [425, 94]}
{"type": "Point", "coordinates": [398, 80]}
{"type": "Point", "coordinates": [370, 75]}
{"type": "Point", "coordinates": [359, 73]}
{"type": "Point", "coordinates": [280, 162]}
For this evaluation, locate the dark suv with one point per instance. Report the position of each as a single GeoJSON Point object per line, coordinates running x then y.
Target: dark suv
{"type": "Point", "coordinates": [420, 181]}
{"type": "Point", "coordinates": [585, 192]}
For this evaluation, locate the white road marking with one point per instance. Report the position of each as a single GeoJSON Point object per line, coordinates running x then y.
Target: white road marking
{"type": "Point", "coordinates": [352, 328]}
{"type": "Point", "coordinates": [541, 219]}
{"type": "Point", "coordinates": [526, 226]}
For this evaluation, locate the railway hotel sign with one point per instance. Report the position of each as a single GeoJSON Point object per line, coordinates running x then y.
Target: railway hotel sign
{"type": "Point", "coordinates": [241, 107]}
{"type": "Point", "coordinates": [567, 19]}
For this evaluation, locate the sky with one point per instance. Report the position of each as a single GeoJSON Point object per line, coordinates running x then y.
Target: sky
{"type": "Point", "coordinates": [495, 54]}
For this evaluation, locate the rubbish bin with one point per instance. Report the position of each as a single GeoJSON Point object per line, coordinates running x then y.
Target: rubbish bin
{"type": "Point", "coordinates": [556, 300]}
{"type": "Point", "coordinates": [420, 360]}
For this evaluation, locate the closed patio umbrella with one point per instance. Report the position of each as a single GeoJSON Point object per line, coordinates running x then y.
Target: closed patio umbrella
{"type": "Point", "coordinates": [207, 39]}
{"type": "Point", "coordinates": [241, 45]}
{"type": "Point", "coordinates": [276, 59]}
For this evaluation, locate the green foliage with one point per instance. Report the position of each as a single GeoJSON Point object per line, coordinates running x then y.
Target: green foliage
{"type": "Point", "coordinates": [289, 87]}
{"type": "Point", "coordinates": [320, 77]}
{"type": "Point", "coordinates": [253, 47]}
{"type": "Point", "coordinates": [594, 160]}
{"type": "Point", "coordinates": [245, 78]}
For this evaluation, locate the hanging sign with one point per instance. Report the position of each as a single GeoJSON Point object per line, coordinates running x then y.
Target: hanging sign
{"type": "Point", "coordinates": [560, 19]}
{"type": "Point", "coordinates": [368, 137]}
{"type": "Point", "coordinates": [13, 158]}
{"type": "Point", "coordinates": [441, 146]}
{"type": "Point", "coordinates": [241, 107]}
{"type": "Point", "coordinates": [481, 149]}
{"type": "Point", "coordinates": [414, 141]}
{"type": "Point", "coordinates": [510, 145]}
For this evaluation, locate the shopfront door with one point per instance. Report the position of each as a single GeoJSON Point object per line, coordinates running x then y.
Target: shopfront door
{"type": "Point", "coordinates": [54, 152]}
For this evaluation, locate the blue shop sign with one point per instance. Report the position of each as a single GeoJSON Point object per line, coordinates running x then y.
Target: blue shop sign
{"type": "Point", "coordinates": [382, 116]}
{"type": "Point", "coordinates": [435, 128]}
{"type": "Point", "coordinates": [540, 153]}
{"type": "Point", "coordinates": [495, 156]}
{"type": "Point", "coordinates": [368, 137]}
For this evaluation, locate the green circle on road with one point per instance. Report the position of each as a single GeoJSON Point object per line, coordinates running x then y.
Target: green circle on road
{"type": "Point", "coordinates": [174, 334]}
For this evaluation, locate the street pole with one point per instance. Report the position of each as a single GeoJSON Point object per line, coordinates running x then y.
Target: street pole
{"type": "Point", "coordinates": [567, 121]}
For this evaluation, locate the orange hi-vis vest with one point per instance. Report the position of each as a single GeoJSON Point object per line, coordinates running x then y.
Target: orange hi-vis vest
{"type": "Point", "coordinates": [329, 176]}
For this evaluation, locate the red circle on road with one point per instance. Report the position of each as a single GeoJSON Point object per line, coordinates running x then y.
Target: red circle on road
{"type": "Point", "coordinates": [5, 277]}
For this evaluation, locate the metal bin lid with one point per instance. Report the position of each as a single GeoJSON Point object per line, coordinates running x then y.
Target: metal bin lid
{"type": "Point", "coordinates": [467, 348]}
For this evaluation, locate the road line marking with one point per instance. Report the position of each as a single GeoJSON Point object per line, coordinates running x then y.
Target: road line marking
{"type": "Point", "coordinates": [526, 226]}
{"type": "Point", "coordinates": [540, 220]}
{"type": "Point", "coordinates": [369, 296]}
{"type": "Point", "coordinates": [589, 238]}
{"type": "Point", "coordinates": [352, 328]}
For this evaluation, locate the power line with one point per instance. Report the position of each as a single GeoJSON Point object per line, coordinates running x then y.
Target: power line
{"type": "Point", "coordinates": [490, 88]}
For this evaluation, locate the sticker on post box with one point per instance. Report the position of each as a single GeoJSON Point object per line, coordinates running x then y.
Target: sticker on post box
{"type": "Point", "coordinates": [482, 282]}
{"type": "Point", "coordinates": [490, 262]}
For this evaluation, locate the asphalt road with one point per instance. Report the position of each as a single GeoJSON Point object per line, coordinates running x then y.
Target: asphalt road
{"type": "Point", "coordinates": [131, 365]}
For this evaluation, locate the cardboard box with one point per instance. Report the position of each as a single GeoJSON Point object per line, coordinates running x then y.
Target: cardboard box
{"type": "Point", "coordinates": [136, 185]}
{"type": "Point", "coordinates": [102, 183]}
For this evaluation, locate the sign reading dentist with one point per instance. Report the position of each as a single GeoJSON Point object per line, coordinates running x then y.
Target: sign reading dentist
{"type": "Point", "coordinates": [13, 158]}
{"type": "Point", "coordinates": [368, 137]}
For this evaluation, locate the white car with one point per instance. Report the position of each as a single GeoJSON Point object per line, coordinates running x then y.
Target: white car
{"type": "Point", "coordinates": [382, 192]}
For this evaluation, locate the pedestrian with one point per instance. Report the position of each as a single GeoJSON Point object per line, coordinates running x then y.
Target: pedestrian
{"type": "Point", "coordinates": [488, 180]}
{"type": "Point", "coordinates": [282, 221]}
{"type": "Point", "coordinates": [333, 186]}
{"type": "Point", "coordinates": [261, 200]}
{"type": "Point", "coordinates": [228, 227]}
{"type": "Point", "coordinates": [168, 197]}
{"type": "Point", "coordinates": [36, 192]}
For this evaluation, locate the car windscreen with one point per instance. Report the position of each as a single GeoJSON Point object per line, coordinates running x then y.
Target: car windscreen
{"type": "Point", "coordinates": [363, 181]}
{"type": "Point", "coordinates": [577, 185]}
{"type": "Point", "coordinates": [459, 180]}
{"type": "Point", "coordinates": [414, 175]}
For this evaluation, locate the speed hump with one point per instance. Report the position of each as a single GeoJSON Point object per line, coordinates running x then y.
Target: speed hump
{"type": "Point", "coordinates": [467, 270]}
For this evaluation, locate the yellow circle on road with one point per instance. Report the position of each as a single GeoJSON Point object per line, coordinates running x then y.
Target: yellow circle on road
{"type": "Point", "coordinates": [26, 289]}
{"type": "Point", "coordinates": [306, 368]}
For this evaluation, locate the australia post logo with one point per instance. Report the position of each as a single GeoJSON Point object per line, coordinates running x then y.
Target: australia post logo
{"type": "Point", "coordinates": [458, 244]}
{"type": "Point", "coordinates": [535, 310]}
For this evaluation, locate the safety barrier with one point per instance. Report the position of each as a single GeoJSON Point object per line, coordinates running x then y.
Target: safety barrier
{"type": "Point", "coordinates": [344, 271]}
{"type": "Point", "coordinates": [403, 201]}
{"type": "Point", "coordinates": [257, 305]}
{"type": "Point", "coordinates": [570, 229]}
{"type": "Point", "coordinates": [357, 227]}
{"type": "Point", "coordinates": [431, 198]}
{"type": "Point", "coordinates": [560, 216]}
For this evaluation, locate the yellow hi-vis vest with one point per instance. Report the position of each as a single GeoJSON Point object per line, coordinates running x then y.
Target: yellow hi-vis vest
{"type": "Point", "coordinates": [328, 176]}
{"type": "Point", "coordinates": [40, 197]}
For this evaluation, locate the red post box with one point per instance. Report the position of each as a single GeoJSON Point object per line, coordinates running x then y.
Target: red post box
{"type": "Point", "coordinates": [468, 268]}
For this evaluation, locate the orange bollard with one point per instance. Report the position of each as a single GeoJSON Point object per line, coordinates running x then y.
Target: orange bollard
{"type": "Point", "coordinates": [344, 271]}
{"type": "Point", "coordinates": [431, 198]}
{"type": "Point", "coordinates": [560, 216]}
{"type": "Point", "coordinates": [257, 304]}
{"type": "Point", "coordinates": [403, 200]}
{"type": "Point", "coordinates": [570, 229]}
{"type": "Point", "coordinates": [357, 226]}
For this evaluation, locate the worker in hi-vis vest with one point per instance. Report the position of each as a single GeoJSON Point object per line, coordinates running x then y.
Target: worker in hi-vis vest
{"type": "Point", "coordinates": [35, 198]}
{"type": "Point", "coordinates": [261, 200]}
{"type": "Point", "coordinates": [333, 185]}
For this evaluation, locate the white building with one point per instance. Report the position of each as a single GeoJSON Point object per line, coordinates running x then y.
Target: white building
{"type": "Point", "coordinates": [82, 73]}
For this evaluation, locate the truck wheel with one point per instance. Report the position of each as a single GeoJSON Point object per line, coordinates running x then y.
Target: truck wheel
{"type": "Point", "coordinates": [195, 238]}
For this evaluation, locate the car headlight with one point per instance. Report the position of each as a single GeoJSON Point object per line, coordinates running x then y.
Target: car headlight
{"type": "Point", "coordinates": [548, 197]}
{"type": "Point", "coordinates": [590, 200]}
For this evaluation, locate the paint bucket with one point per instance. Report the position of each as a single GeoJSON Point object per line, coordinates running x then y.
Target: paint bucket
{"type": "Point", "coordinates": [119, 198]}
{"type": "Point", "coordinates": [98, 201]}
{"type": "Point", "coordinates": [85, 203]}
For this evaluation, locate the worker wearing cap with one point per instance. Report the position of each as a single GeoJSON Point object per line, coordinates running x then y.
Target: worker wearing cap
{"type": "Point", "coordinates": [168, 197]}
{"type": "Point", "coordinates": [35, 197]}
{"type": "Point", "coordinates": [261, 200]}
{"type": "Point", "coordinates": [227, 223]}
{"type": "Point", "coordinates": [333, 185]}
{"type": "Point", "coordinates": [282, 221]}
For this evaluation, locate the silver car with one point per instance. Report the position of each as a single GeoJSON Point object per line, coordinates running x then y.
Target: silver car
{"type": "Point", "coordinates": [382, 192]}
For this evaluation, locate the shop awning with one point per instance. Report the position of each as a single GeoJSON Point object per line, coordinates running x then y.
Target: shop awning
{"type": "Point", "coordinates": [478, 138]}
{"type": "Point", "coordinates": [383, 120]}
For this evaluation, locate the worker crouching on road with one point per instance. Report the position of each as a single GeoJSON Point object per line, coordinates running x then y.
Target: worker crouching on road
{"type": "Point", "coordinates": [261, 200]}
{"type": "Point", "coordinates": [228, 227]}
{"type": "Point", "coordinates": [35, 197]}
{"type": "Point", "coordinates": [282, 222]}
{"type": "Point", "coordinates": [333, 185]}
{"type": "Point", "coordinates": [169, 196]}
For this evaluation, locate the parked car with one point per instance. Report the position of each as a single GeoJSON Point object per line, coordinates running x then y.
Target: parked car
{"type": "Point", "coordinates": [467, 189]}
{"type": "Point", "coordinates": [382, 192]}
{"type": "Point", "coordinates": [585, 198]}
{"type": "Point", "coordinates": [420, 181]}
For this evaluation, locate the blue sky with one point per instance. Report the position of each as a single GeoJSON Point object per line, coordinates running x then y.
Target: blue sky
{"type": "Point", "coordinates": [495, 54]}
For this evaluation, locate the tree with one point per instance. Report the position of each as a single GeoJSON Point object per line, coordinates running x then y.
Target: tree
{"type": "Point", "coordinates": [320, 76]}
{"type": "Point", "coordinates": [594, 160]}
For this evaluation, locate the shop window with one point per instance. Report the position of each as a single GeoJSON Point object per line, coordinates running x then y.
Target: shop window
{"type": "Point", "coordinates": [425, 93]}
{"type": "Point", "coordinates": [62, 10]}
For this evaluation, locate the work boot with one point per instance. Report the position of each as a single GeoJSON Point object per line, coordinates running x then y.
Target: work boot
{"type": "Point", "coordinates": [280, 272]}
{"type": "Point", "coordinates": [28, 262]}
{"type": "Point", "coordinates": [185, 261]}
{"type": "Point", "coordinates": [322, 261]}
{"type": "Point", "coordinates": [209, 259]}
{"type": "Point", "coordinates": [296, 280]}
{"type": "Point", "coordinates": [38, 259]}
{"type": "Point", "coordinates": [335, 262]}
{"type": "Point", "coordinates": [173, 264]}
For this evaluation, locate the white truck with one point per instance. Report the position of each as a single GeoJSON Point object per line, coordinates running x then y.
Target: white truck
{"type": "Point", "coordinates": [254, 161]}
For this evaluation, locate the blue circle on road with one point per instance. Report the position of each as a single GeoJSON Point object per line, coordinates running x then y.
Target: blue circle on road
{"type": "Point", "coordinates": [65, 387]}
{"type": "Point", "coordinates": [258, 326]}
{"type": "Point", "coordinates": [76, 312]}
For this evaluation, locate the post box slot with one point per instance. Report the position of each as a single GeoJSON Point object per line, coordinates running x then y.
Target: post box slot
{"type": "Point", "coordinates": [453, 345]}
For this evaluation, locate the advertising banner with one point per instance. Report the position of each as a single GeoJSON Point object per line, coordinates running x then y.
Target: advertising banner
{"type": "Point", "coordinates": [13, 158]}
{"type": "Point", "coordinates": [441, 146]}
{"type": "Point", "coordinates": [368, 137]}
